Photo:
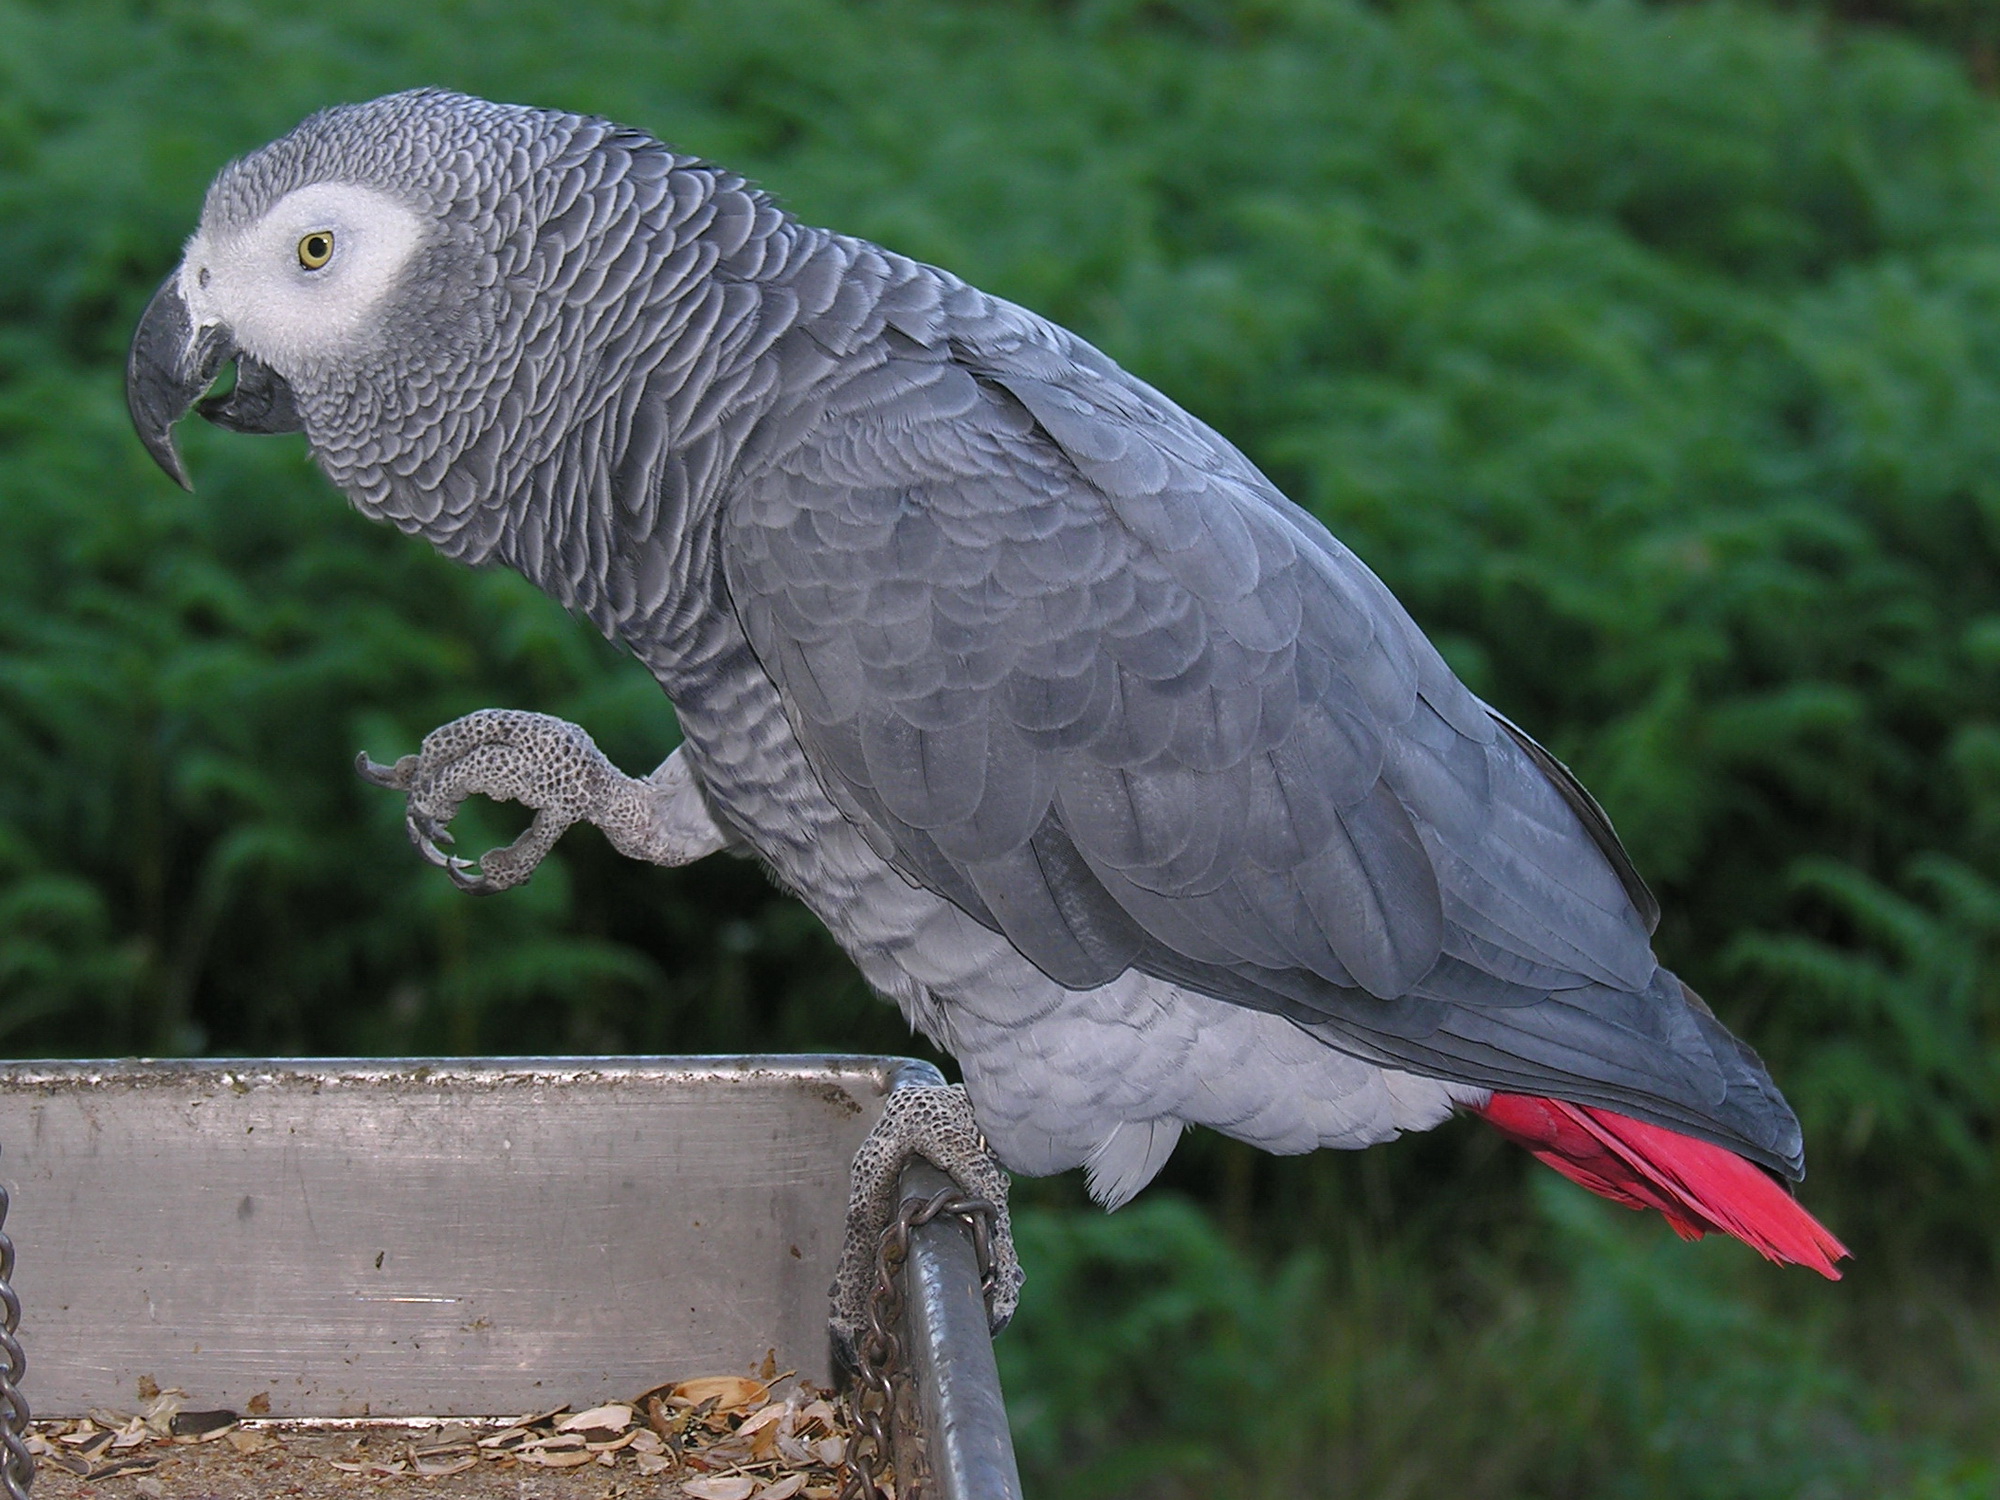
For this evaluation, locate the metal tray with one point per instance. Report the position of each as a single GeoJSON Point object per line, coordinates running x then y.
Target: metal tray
{"type": "Point", "coordinates": [462, 1238]}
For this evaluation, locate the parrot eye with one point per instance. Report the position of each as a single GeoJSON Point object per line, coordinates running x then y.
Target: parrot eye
{"type": "Point", "coordinates": [316, 249]}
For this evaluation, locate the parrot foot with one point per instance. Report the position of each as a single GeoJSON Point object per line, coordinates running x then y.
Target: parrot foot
{"type": "Point", "coordinates": [553, 767]}
{"type": "Point", "coordinates": [936, 1124]}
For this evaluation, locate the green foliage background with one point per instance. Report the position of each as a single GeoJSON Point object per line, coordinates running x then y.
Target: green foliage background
{"type": "Point", "coordinates": [1651, 352]}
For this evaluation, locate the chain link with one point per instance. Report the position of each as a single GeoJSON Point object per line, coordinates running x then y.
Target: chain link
{"type": "Point", "coordinates": [879, 1356]}
{"type": "Point", "coordinates": [17, 1464]}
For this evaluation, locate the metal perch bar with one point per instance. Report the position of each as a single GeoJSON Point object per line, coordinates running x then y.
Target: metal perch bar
{"type": "Point", "coordinates": [964, 1418]}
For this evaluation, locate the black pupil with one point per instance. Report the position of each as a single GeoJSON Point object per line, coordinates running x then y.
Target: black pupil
{"type": "Point", "coordinates": [317, 247]}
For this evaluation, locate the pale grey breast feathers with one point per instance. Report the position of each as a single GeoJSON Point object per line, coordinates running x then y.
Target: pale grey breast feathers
{"type": "Point", "coordinates": [1072, 662]}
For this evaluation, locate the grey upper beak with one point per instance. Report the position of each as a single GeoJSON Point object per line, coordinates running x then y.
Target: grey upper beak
{"type": "Point", "coordinates": [169, 367]}
{"type": "Point", "coordinates": [172, 363]}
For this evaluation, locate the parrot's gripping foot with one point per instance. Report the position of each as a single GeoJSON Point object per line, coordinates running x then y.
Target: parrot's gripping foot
{"type": "Point", "coordinates": [936, 1124]}
{"type": "Point", "coordinates": [544, 763]}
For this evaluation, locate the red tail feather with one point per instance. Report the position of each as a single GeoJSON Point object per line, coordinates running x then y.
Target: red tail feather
{"type": "Point", "coordinates": [1698, 1186]}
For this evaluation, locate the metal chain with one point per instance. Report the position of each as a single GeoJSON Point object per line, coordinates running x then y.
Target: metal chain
{"type": "Point", "coordinates": [17, 1467]}
{"type": "Point", "coordinates": [879, 1356]}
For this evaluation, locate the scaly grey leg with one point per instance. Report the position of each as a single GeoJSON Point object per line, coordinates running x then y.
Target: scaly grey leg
{"type": "Point", "coordinates": [936, 1124]}
{"type": "Point", "coordinates": [553, 767]}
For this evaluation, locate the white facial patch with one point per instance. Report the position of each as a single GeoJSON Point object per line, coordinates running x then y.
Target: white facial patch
{"type": "Point", "coordinates": [282, 311]}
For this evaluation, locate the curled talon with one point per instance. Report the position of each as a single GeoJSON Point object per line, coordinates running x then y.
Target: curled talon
{"type": "Point", "coordinates": [476, 884]}
{"type": "Point", "coordinates": [425, 847]}
{"type": "Point", "coordinates": [423, 825]}
{"type": "Point", "coordinates": [396, 777]}
{"type": "Point", "coordinates": [472, 885]}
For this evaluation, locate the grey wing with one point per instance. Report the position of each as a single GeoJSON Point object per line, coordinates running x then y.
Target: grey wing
{"type": "Point", "coordinates": [1073, 663]}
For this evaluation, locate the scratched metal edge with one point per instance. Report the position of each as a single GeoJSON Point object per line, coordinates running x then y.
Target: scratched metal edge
{"type": "Point", "coordinates": [881, 1073]}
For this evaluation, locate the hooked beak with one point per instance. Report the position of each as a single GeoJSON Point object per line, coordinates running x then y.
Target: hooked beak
{"type": "Point", "coordinates": [169, 367]}
{"type": "Point", "coordinates": [172, 363]}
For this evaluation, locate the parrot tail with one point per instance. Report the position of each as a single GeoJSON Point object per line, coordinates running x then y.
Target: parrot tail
{"type": "Point", "coordinates": [1698, 1186]}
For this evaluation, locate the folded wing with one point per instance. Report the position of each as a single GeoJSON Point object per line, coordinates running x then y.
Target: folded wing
{"type": "Point", "coordinates": [1074, 664]}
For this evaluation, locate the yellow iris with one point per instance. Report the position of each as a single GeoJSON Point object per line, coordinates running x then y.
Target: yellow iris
{"type": "Point", "coordinates": [316, 249]}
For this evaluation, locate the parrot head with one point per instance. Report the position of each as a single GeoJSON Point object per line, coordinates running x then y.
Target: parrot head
{"type": "Point", "coordinates": [372, 276]}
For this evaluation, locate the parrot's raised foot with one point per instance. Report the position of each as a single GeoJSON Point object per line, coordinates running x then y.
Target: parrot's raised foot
{"type": "Point", "coordinates": [936, 1124]}
{"type": "Point", "coordinates": [552, 766]}
{"type": "Point", "coordinates": [541, 762]}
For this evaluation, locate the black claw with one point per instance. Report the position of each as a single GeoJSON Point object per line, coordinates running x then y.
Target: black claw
{"type": "Point", "coordinates": [375, 772]}
{"type": "Point", "coordinates": [479, 884]}
{"type": "Point", "coordinates": [425, 847]}
{"type": "Point", "coordinates": [423, 825]}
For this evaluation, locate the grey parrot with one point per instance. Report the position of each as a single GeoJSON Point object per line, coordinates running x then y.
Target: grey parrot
{"type": "Point", "coordinates": [1134, 788]}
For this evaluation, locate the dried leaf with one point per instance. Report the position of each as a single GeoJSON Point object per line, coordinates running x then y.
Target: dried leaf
{"type": "Point", "coordinates": [199, 1426]}
{"type": "Point", "coordinates": [94, 1446]}
{"type": "Point", "coordinates": [727, 1454]}
{"type": "Point", "coordinates": [564, 1458]}
{"type": "Point", "coordinates": [132, 1464]}
{"type": "Point", "coordinates": [761, 1419]}
{"type": "Point", "coordinates": [720, 1487]}
{"type": "Point", "coordinates": [655, 1408]}
{"type": "Point", "coordinates": [148, 1388]}
{"type": "Point", "coordinates": [194, 1423]}
{"type": "Point", "coordinates": [783, 1489]}
{"type": "Point", "coordinates": [728, 1392]}
{"type": "Point", "coordinates": [162, 1409]}
{"type": "Point", "coordinates": [614, 1418]}
{"type": "Point", "coordinates": [454, 1466]}
{"type": "Point", "coordinates": [795, 1453]}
